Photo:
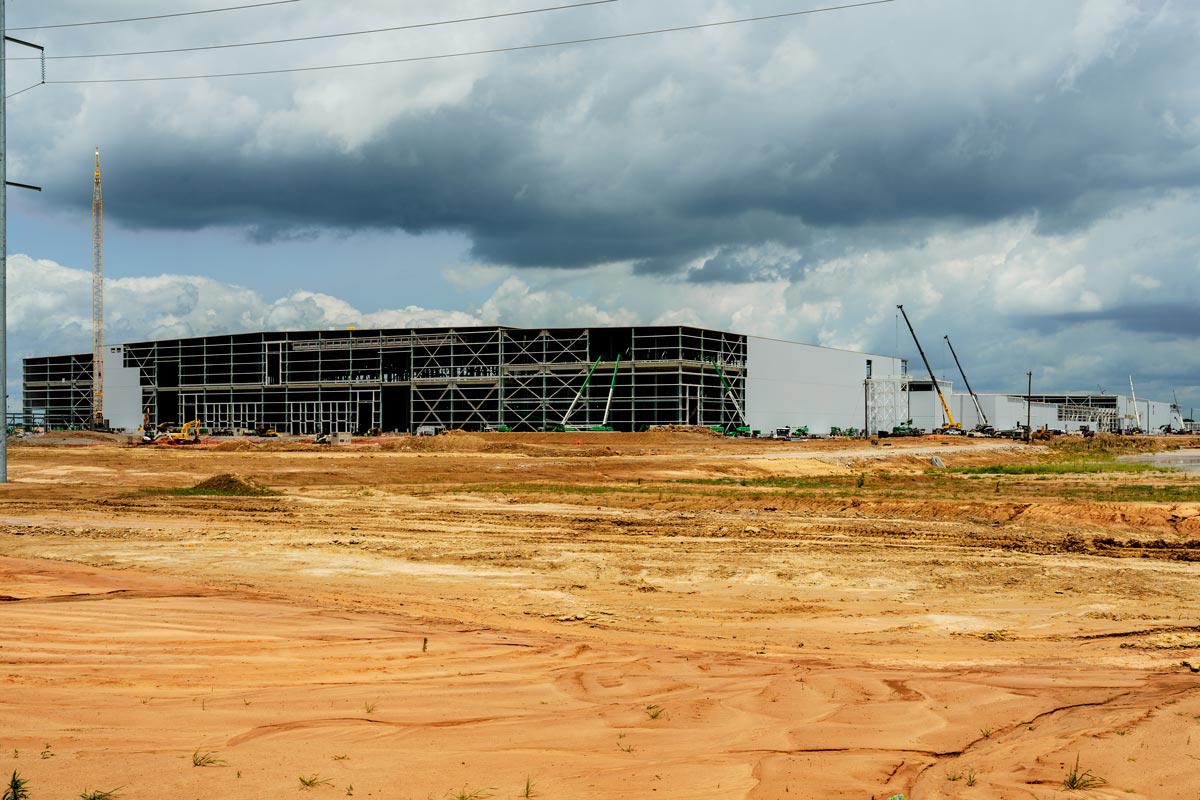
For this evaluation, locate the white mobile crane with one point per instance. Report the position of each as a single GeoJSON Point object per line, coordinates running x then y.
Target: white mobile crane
{"type": "Point", "coordinates": [983, 420]}
{"type": "Point", "coordinates": [951, 423]}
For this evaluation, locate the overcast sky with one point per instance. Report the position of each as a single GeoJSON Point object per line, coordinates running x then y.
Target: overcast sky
{"type": "Point", "coordinates": [1022, 175]}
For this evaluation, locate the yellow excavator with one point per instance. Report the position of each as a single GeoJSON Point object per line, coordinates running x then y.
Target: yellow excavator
{"type": "Point", "coordinates": [188, 434]}
{"type": "Point", "coordinates": [951, 423]}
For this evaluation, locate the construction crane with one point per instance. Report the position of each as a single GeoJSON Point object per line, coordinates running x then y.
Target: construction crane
{"type": "Point", "coordinates": [562, 426]}
{"type": "Point", "coordinates": [951, 422]}
{"type": "Point", "coordinates": [1137, 412]}
{"type": "Point", "coordinates": [97, 298]}
{"type": "Point", "coordinates": [974, 397]}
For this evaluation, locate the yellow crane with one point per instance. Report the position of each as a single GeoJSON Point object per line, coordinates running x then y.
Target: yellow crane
{"type": "Point", "coordinates": [951, 422]}
{"type": "Point", "coordinates": [97, 299]}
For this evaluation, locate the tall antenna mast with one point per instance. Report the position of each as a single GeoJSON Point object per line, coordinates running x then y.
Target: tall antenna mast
{"type": "Point", "coordinates": [97, 298]}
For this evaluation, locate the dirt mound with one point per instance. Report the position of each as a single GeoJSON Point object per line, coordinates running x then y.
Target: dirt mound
{"type": "Point", "coordinates": [235, 445]}
{"type": "Point", "coordinates": [448, 442]}
{"type": "Point", "coordinates": [267, 445]}
{"type": "Point", "coordinates": [75, 438]}
{"type": "Point", "coordinates": [672, 430]}
{"type": "Point", "coordinates": [231, 483]}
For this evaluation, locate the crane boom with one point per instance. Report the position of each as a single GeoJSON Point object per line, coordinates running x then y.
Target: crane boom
{"type": "Point", "coordinates": [97, 298]}
{"type": "Point", "coordinates": [579, 394]}
{"type": "Point", "coordinates": [951, 422]}
{"type": "Point", "coordinates": [1137, 413]}
{"type": "Point", "coordinates": [974, 397]}
{"type": "Point", "coordinates": [612, 388]}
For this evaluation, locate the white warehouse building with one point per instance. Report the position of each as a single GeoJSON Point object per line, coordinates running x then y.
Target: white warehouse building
{"type": "Point", "coordinates": [496, 377]}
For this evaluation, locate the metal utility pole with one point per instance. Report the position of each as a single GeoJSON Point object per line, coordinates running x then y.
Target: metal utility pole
{"type": "Point", "coordinates": [4, 184]}
{"type": "Point", "coordinates": [3, 260]}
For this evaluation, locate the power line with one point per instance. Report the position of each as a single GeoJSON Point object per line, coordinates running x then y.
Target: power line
{"type": "Point", "coordinates": [156, 16]}
{"type": "Point", "coordinates": [22, 91]}
{"type": "Point", "coordinates": [325, 35]}
{"type": "Point", "coordinates": [491, 51]}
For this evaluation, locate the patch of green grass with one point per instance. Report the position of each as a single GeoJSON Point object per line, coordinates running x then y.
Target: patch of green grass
{"type": "Point", "coordinates": [1077, 780]}
{"type": "Point", "coordinates": [1058, 468]}
{"type": "Point", "coordinates": [97, 794]}
{"type": "Point", "coordinates": [557, 488]}
{"type": "Point", "coordinates": [312, 781]}
{"type": "Point", "coordinates": [16, 788]}
{"type": "Point", "coordinates": [654, 711]}
{"type": "Point", "coordinates": [774, 482]}
{"type": "Point", "coordinates": [527, 791]}
{"type": "Point", "coordinates": [475, 794]}
{"type": "Point", "coordinates": [191, 491]}
{"type": "Point", "coordinates": [206, 760]}
{"type": "Point", "coordinates": [1134, 492]}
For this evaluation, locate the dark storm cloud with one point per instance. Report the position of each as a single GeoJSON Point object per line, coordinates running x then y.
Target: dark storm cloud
{"type": "Point", "coordinates": [1169, 320]}
{"type": "Point", "coordinates": [905, 153]}
{"type": "Point", "coordinates": [728, 267]}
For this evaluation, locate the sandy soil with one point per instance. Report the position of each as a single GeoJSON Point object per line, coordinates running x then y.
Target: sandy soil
{"type": "Point", "coordinates": [667, 615]}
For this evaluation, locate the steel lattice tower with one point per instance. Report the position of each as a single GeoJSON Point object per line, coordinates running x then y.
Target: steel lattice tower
{"type": "Point", "coordinates": [97, 298]}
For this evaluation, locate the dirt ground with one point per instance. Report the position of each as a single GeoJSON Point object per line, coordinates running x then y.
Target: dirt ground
{"type": "Point", "coordinates": [669, 615]}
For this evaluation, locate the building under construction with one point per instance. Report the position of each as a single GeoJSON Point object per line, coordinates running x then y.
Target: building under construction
{"type": "Point", "coordinates": [529, 379]}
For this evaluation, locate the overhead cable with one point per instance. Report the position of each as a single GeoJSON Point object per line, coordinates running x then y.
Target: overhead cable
{"type": "Point", "coordinates": [490, 51]}
{"type": "Point", "coordinates": [328, 35]}
{"type": "Point", "coordinates": [155, 16]}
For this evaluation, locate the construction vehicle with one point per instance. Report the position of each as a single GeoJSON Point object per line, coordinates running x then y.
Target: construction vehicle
{"type": "Point", "coordinates": [951, 423]}
{"type": "Point", "coordinates": [148, 435]}
{"type": "Point", "coordinates": [790, 432]}
{"type": "Point", "coordinates": [188, 434]}
{"type": "Point", "coordinates": [983, 420]}
{"type": "Point", "coordinates": [904, 429]}
{"type": "Point", "coordinates": [265, 431]}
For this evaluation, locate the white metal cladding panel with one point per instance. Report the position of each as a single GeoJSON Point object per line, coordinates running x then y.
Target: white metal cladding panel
{"type": "Point", "coordinates": [122, 391]}
{"type": "Point", "coordinates": [1154, 414]}
{"type": "Point", "coordinates": [801, 384]}
{"type": "Point", "coordinates": [1008, 411]}
{"type": "Point", "coordinates": [926, 408]}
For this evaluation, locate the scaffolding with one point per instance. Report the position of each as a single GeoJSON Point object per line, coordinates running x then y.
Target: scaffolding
{"type": "Point", "coordinates": [887, 403]}
{"type": "Point", "coordinates": [401, 380]}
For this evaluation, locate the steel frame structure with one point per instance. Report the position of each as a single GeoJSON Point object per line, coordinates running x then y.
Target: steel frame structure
{"type": "Point", "coordinates": [887, 401]}
{"type": "Point", "coordinates": [400, 380]}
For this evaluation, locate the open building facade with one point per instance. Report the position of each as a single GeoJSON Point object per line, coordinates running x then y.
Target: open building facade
{"type": "Point", "coordinates": [406, 380]}
{"type": "Point", "coordinates": [527, 379]}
